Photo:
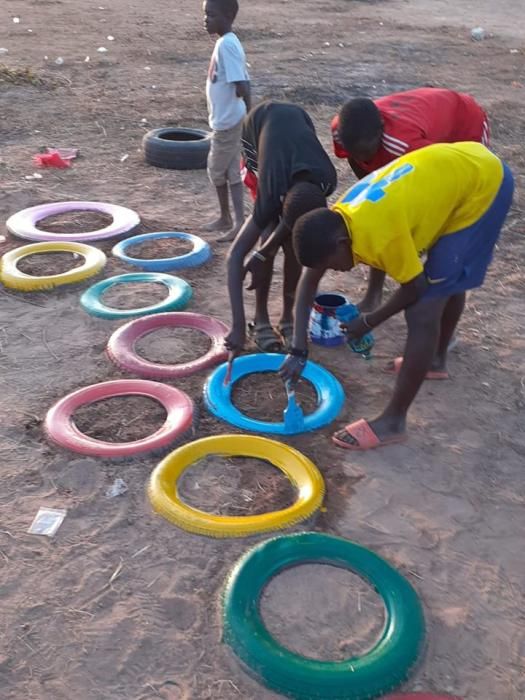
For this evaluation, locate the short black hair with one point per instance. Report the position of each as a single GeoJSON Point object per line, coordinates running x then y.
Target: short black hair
{"type": "Point", "coordinates": [359, 121]}
{"type": "Point", "coordinates": [300, 199]}
{"type": "Point", "coordinates": [229, 8]}
{"type": "Point", "coordinates": [316, 236]}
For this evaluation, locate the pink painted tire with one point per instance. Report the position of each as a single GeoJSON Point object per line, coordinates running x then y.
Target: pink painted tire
{"type": "Point", "coordinates": [121, 345]}
{"type": "Point", "coordinates": [24, 223]}
{"type": "Point", "coordinates": [61, 429]}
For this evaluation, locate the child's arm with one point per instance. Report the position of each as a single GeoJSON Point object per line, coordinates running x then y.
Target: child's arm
{"type": "Point", "coordinates": [243, 90]}
{"type": "Point", "coordinates": [256, 265]}
{"type": "Point", "coordinates": [405, 296]}
{"type": "Point", "coordinates": [245, 241]}
{"type": "Point", "coordinates": [306, 289]}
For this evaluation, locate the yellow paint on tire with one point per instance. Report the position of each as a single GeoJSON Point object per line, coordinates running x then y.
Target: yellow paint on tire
{"type": "Point", "coordinates": [13, 278]}
{"type": "Point", "coordinates": [302, 473]}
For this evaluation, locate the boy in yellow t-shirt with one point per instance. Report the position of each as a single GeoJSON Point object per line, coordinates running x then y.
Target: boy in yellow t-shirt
{"type": "Point", "coordinates": [446, 200]}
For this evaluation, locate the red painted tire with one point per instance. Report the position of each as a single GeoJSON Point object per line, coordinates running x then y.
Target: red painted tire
{"type": "Point", "coordinates": [61, 429]}
{"type": "Point", "coordinates": [121, 345]}
{"type": "Point", "coordinates": [420, 696]}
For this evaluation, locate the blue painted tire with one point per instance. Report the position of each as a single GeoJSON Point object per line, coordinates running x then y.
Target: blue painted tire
{"type": "Point", "coordinates": [200, 254]}
{"type": "Point", "coordinates": [217, 395]}
{"type": "Point", "coordinates": [179, 294]}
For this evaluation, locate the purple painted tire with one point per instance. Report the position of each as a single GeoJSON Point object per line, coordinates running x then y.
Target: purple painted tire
{"type": "Point", "coordinates": [24, 223]}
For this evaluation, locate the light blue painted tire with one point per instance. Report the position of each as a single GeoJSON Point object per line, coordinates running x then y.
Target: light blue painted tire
{"type": "Point", "coordinates": [179, 294]}
{"type": "Point", "coordinates": [217, 395]}
{"type": "Point", "coordinates": [200, 254]}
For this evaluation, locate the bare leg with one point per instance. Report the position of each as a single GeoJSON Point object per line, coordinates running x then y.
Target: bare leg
{"type": "Point", "coordinates": [374, 293]}
{"type": "Point", "coordinates": [449, 320]}
{"type": "Point", "coordinates": [224, 221]}
{"type": "Point", "coordinates": [237, 193]}
{"type": "Point", "coordinates": [292, 272]}
{"type": "Point", "coordinates": [424, 326]}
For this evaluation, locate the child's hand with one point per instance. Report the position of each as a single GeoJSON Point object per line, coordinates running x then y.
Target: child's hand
{"type": "Point", "coordinates": [291, 369]}
{"type": "Point", "coordinates": [356, 328]}
{"type": "Point", "coordinates": [257, 265]}
{"type": "Point", "coordinates": [235, 341]}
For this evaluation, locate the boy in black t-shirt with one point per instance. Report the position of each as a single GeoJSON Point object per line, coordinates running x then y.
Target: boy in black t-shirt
{"type": "Point", "coordinates": [281, 147]}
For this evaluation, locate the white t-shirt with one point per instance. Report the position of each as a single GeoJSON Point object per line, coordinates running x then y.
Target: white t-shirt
{"type": "Point", "coordinates": [227, 66]}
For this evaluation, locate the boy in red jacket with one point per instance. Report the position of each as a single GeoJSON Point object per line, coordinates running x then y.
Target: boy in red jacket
{"type": "Point", "coordinates": [372, 133]}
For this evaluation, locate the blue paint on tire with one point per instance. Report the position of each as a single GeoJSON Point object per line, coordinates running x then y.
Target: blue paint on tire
{"type": "Point", "coordinates": [179, 295]}
{"type": "Point", "coordinates": [200, 254]}
{"type": "Point", "coordinates": [218, 396]}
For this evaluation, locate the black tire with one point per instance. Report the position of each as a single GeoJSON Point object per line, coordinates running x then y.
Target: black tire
{"type": "Point", "coordinates": [177, 148]}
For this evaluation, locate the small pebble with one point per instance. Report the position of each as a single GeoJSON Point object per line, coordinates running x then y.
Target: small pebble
{"type": "Point", "coordinates": [147, 68]}
{"type": "Point", "coordinates": [124, 158]}
{"type": "Point", "coordinates": [111, 38]}
{"type": "Point", "coordinates": [102, 49]}
{"type": "Point", "coordinates": [16, 20]}
{"type": "Point", "coordinates": [478, 33]}
{"type": "Point", "coordinates": [59, 61]}
{"type": "Point", "coordinates": [86, 60]}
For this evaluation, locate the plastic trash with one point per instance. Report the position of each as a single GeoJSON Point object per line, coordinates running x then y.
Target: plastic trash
{"type": "Point", "coordinates": [478, 33]}
{"type": "Point", "coordinates": [59, 61]}
{"type": "Point", "coordinates": [117, 488]}
{"type": "Point", "coordinates": [47, 521]}
{"type": "Point", "coordinates": [3, 51]}
{"type": "Point", "coordinates": [362, 346]}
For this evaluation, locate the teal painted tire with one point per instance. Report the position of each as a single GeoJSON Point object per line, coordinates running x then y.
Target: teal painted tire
{"type": "Point", "coordinates": [179, 295]}
{"type": "Point", "coordinates": [382, 669]}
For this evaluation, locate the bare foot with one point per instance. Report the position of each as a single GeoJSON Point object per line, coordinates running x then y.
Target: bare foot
{"type": "Point", "coordinates": [230, 235]}
{"type": "Point", "coordinates": [387, 430]}
{"type": "Point", "coordinates": [217, 225]}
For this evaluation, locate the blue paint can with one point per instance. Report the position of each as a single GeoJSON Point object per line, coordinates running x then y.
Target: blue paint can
{"type": "Point", "coordinates": [324, 327]}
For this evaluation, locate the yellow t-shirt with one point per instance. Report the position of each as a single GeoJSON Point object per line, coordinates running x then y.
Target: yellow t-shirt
{"type": "Point", "coordinates": [396, 213]}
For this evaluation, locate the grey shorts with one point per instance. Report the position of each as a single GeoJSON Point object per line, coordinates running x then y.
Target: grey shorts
{"type": "Point", "coordinates": [224, 158]}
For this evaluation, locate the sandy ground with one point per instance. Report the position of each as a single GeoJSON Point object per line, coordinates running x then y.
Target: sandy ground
{"type": "Point", "coordinates": [447, 508]}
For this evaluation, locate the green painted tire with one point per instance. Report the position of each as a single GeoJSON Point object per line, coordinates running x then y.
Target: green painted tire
{"type": "Point", "coordinates": [382, 669]}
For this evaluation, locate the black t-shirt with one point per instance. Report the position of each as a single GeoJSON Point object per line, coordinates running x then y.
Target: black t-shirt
{"type": "Point", "coordinates": [280, 146]}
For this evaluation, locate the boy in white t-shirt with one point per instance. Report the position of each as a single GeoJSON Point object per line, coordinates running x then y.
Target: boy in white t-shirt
{"type": "Point", "coordinates": [228, 97]}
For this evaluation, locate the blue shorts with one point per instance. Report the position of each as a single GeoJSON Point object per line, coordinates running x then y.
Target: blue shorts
{"type": "Point", "coordinates": [459, 261]}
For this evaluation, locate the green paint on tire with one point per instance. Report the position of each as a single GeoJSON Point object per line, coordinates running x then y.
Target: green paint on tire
{"type": "Point", "coordinates": [382, 669]}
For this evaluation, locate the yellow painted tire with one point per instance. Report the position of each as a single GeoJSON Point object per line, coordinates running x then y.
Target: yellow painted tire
{"type": "Point", "coordinates": [303, 474]}
{"type": "Point", "coordinates": [12, 277]}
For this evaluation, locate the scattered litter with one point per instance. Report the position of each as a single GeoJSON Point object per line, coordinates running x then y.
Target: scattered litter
{"type": "Point", "coordinates": [46, 58]}
{"type": "Point", "coordinates": [3, 51]}
{"type": "Point", "coordinates": [326, 43]}
{"type": "Point", "coordinates": [30, 31]}
{"type": "Point", "coordinates": [16, 20]}
{"type": "Point", "coordinates": [86, 60]}
{"type": "Point", "coordinates": [101, 8]}
{"type": "Point", "coordinates": [153, 87]}
{"type": "Point", "coordinates": [59, 61]}
{"type": "Point", "coordinates": [124, 158]}
{"type": "Point", "coordinates": [340, 44]}
{"type": "Point", "coordinates": [147, 68]}
{"type": "Point", "coordinates": [47, 521]}
{"type": "Point", "coordinates": [102, 49]}
{"type": "Point", "coordinates": [478, 33]}
{"type": "Point", "coordinates": [111, 38]}
{"type": "Point", "coordinates": [117, 488]}
{"type": "Point", "coordinates": [34, 176]}
{"type": "Point", "coordinates": [512, 50]}
{"type": "Point", "coordinates": [55, 157]}
{"type": "Point", "coordinates": [143, 120]}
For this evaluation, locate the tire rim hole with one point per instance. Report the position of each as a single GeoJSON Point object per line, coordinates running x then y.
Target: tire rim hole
{"type": "Point", "coordinates": [181, 136]}
{"type": "Point", "coordinates": [134, 295]}
{"type": "Point", "coordinates": [262, 396]}
{"type": "Point", "coordinates": [120, 418]}
{"type": "Point", "coordinates": [76, 221]}
{"type": "Point", "coordinates": [235, 486]}
{"type": "Point", "coordinates": [173, 345]}
{"type": "Point", "coordinates": [323, 613]}
{"type": "Point", "coordinates": [159, 249]}
{"type": "Point", "coordinates": [49, 263]}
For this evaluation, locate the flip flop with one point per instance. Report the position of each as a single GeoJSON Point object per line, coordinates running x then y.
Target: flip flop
{"type": "Point", "coordinates": [431, 374]}
{"type": "Point", "coordinates": [365, 437]}
{"type": "Point", "coordinates": [265, 337]}
{"type": "Point", "coordinates": [285, 330]}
